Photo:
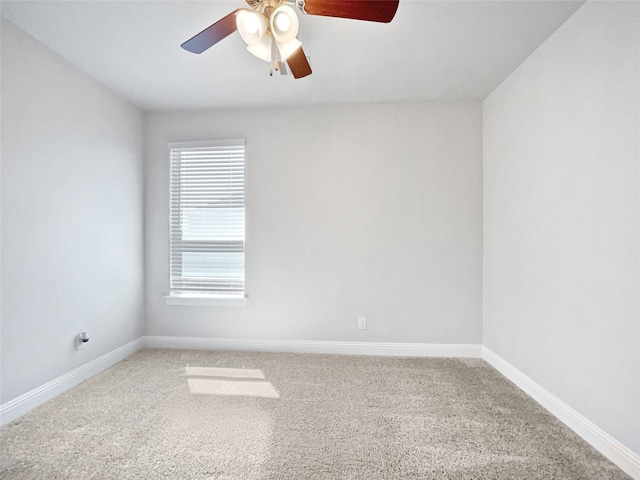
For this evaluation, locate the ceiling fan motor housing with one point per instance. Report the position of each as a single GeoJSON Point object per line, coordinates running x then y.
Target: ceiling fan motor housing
{"type": "Point", "coordinates": [266, 6]}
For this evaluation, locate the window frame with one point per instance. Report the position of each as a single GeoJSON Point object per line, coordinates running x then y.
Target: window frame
{"type": "Point", "coordinates": [204, 297]}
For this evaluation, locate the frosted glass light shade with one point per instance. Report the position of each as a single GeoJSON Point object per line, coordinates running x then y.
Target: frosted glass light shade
{"type": "Point", "coordinates": [251, 25]}
{"type": "Point", "coordinates": [263, 49]}
{"type": "Point", "coordinates": [284, 24]}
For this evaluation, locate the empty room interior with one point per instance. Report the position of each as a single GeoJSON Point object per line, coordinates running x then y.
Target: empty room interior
{"type": "Point", "coordinates": [320, 239]}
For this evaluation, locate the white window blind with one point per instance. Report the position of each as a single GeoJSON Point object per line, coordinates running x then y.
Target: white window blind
{"type": "Point", "coordinates": [207, 218]}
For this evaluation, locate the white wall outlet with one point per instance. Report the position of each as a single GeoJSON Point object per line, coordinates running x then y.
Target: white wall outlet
{"type": "Point", "coordinates": [362, 323]}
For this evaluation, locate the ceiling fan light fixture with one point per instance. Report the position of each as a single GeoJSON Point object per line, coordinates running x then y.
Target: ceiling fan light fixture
{"type": "Point", "coordinates": [262, 50]}
{"type": "Point", "coordinates": [284, 24]}
{"type": "Point", "coordinates": [286, 49]}
{"type": "Point", "coordinates": [252, 26]}
{"type": "Point", "coordinates": [282, 21]}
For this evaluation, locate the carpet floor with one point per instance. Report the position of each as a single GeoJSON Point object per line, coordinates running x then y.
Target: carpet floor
{"type": "Point", "coordinates": [183, 414]}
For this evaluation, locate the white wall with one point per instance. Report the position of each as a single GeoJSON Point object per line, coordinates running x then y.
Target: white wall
{"type": "Point", "coordinates": [561, 217]}
{"type": "Point", "coordinates": [72, 249]}
{"type": "Point", "coordinates": [363, 210]}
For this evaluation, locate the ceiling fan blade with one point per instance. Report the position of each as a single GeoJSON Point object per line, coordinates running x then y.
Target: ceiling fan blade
{"type": "Point", "coordinates": [212, 34]}
{"type": "Point", "coordinates": [298, 64]}
{"type": "Point", "coordinates": [369, 10]}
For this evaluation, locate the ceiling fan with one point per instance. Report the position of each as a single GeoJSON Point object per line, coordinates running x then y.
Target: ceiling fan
{"type": "Point", "coordinates": [270, 27]}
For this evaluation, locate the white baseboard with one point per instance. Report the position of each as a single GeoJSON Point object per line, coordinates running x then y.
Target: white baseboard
{"type": "Point", "coordinates": [618, 453]}
{"type": "Point", "coordinates": [622, 456]}
{"type": "Point", "coordinates": [309, 346]}
{"type": "Point", "coordinates": [19, 406]}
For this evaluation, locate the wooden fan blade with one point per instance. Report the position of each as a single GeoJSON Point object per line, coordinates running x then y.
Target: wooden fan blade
{"type": "Point", "coordinates": [298, 64]}
{"type": "Point", "coordinates": [369, 10]}
{"type": "Point", "coordinates": [212, 34]}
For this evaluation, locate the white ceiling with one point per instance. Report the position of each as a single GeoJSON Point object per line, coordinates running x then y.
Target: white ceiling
{"type": "Point", "coordinates": [432, 50]}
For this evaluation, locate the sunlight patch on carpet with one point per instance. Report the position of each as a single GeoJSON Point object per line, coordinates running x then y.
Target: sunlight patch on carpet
{"type": "Point", "coordinates": [223, 372]}
{"type": "Point", "coordinates": [208, 386]}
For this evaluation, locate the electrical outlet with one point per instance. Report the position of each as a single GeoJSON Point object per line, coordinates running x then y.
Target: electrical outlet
{"type": "Point", "coordinates": [362, 323]}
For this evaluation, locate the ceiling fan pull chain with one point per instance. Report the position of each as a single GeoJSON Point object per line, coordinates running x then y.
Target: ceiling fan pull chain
{"type": "Point", "coordinates": [274, 58]}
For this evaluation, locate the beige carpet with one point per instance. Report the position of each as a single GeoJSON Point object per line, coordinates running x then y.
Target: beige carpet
{"type": "Point", "coordinates": [235, 415]}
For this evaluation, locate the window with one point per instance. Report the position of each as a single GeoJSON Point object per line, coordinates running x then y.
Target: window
{"type": "Point", "coordinates": [207, 219]}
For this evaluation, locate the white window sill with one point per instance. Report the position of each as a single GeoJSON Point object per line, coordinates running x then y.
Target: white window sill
{"type": "Point", "coordinates": [203, 300]}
